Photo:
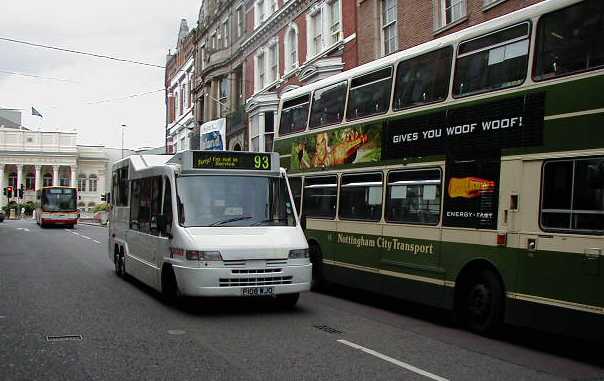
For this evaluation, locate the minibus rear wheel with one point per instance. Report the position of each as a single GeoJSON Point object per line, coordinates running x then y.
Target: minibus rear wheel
{"type": "Point", "coordinates": [287, 300]}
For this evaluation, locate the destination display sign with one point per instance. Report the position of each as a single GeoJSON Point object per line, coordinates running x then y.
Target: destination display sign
{"type": "Point", "coordinates": [512, 122]}
{"type": "Point", "coordinates": [232, 160]}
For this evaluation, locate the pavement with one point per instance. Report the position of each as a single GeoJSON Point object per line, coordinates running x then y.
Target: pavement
{"type": "Point", "coordinates": [64, 314]}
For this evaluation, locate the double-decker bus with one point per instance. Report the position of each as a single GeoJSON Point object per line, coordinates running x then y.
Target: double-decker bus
{"type": "Point", "coordinates": [208, 223]}
{"type": "Point", "coordinates": [465, 173]}
{"type": "Point", "coordinates": [57, 205]}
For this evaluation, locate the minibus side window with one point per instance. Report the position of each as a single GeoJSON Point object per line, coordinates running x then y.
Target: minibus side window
{"type": "Point", "coordinates": [156, 194]}
{"type": "Point", "coordinates": [167, 209]}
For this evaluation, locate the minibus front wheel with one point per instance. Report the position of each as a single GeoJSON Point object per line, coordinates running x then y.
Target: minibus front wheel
{"type": "Point", "coordinates": [169, 286]}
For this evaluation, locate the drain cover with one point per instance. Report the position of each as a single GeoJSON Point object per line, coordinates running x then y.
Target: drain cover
{"type": "Point", "coordinates": [64, 338]}
{"type": "Point", "coordinates": [328, 329]}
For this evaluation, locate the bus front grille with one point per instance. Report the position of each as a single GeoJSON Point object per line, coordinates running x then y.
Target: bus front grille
{"type": "Point", "coordinates": [258, 281]}
{"type": "Point", "coordinates": [255, 271]}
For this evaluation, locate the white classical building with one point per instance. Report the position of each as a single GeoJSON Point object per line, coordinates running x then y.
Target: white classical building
{"type": "Point", "coordinates": [44, 158]}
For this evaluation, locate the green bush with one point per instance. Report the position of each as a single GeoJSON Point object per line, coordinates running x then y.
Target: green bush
{"type": "Point", "coordinates": [102, 207]}
{"type": "Point", "coordinates": [28, 206]}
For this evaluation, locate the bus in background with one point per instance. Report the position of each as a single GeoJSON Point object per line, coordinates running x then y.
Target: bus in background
{"type": "Point", "coordinates": [57, 205]}
{"type": "Point", "coordinates": [208, 223]}
{"type": "Point", "coordinates": [465, 173]}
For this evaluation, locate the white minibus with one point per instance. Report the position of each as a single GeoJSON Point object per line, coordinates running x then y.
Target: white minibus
{"type": "Point", "coordinates": [208, 223]}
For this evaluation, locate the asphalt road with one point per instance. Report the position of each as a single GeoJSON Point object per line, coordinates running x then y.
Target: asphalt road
{"type": "Point", "coordinates": [56, 282]}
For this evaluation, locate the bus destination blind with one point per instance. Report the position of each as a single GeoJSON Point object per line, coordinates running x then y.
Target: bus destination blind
{"type": "Point", "coordinates": [232, 160]}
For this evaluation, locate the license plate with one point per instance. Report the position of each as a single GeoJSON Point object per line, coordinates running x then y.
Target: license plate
{"type": "Point", "coordinates": [257, 291]}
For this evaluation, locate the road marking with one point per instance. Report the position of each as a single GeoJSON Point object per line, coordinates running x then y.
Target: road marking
{"type": "Point", "coordinates": [78, 234]}
{"type": "Point", "coordinates": [96, 241]}
{"type": "Point", "coordinates": [24, 229]}
{"type": "Point", "coordinates": [85, 237]}
{"type": "Point", "coordinates": [393, 361]}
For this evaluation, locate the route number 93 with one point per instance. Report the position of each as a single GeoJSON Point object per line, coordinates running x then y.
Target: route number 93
{"type": "Point", "coordinates": [262, 162]}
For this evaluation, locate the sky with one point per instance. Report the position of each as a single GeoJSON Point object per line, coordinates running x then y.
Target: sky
{"type": "Point", "coordinates": [85, 93]}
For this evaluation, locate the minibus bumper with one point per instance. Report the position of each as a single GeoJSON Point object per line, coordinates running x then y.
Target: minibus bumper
{"type": "Point", "coordinates": [218, 281]}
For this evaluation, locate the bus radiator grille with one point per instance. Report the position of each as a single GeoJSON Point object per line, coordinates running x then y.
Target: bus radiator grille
{"type": "Point", "coordinates": [255, 271]}
{"type": "Point", "coordinates": [260, 281]}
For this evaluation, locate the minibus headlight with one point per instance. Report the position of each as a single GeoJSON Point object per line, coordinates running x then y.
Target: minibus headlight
{"type": "Point", "coordinates": [298, 253]}
{"type": "Point", "coordinates": [196, 255]}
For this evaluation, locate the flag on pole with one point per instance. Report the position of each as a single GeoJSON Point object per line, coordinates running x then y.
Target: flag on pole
{"type": "Point", "coordinates": [35, 112]}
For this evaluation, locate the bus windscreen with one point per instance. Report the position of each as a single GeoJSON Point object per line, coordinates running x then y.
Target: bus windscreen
{"type": "Point", "coordinates": [58, 200]}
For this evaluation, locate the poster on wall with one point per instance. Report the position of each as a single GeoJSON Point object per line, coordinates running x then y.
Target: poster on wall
{"type": "Point", "coordinates": [213, 135]}
{"type": "Point", "coordinates": [347, 145]}
{"type": "Point", "coordinates": [472, 192]}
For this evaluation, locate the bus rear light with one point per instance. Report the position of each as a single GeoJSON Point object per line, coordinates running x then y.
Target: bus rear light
{"type": "Point", "coordinates": [502, 239]}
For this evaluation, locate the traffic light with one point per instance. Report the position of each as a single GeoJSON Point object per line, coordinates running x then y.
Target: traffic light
{"type": "Point", "coordinates": [103, 197]}
{"type": "Point", "coordinates": [9, 190]}
{"type": "Point", "coordinates": [21, 190]}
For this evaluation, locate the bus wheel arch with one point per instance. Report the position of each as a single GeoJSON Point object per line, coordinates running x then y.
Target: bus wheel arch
{"type": "Point", "coordinates": [479, 297]}
{"type": "Point", "coordinates": [119, 261]}
{"type": "Point", "coordinates": [169, 284]}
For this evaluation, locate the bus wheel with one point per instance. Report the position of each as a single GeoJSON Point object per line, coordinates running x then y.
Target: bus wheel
{"type": "Point", "coordinates": [481, 308]}
{"type": "Point", "coordinates": [316, 258]}
{"type": "Point", "coordinates": [120, 264]}
{"type": "Point", "coordinates": [287, 300]}
{"type": "Point", "coordinates": [169, 286]}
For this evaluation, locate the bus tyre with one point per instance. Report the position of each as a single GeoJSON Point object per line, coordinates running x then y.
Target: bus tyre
{"type": "Point", "coordinates": [169, 286]}
{"type": "Point", "coordinates": [120, 265]}
{"type": "Point", "coordinates": [287, 300]}
{"type": "Point", "coordinates": [481, 301]}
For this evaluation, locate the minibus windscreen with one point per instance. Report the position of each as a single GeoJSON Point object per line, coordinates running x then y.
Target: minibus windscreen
{"type": "Point", "coordinates": [234, 201]}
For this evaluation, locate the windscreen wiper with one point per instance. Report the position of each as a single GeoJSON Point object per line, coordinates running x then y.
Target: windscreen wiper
{"type": "Point", "coordinates": [230, 220]}
{"type": "Point", "coordinates": [276, 219]}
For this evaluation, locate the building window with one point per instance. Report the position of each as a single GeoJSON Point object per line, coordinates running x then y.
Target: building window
{"type": "Point", "coordinates": [255, 133]}
{"type": "Point", "coordinates": [224, 94]}
{"type": "Point", "coordinates": [12, 180]}
{"type": "Point", "coordinates": [259, 11]}
{"type": "Point", "coordinates": [274, 62]}
{"type": "Point", "coordinates": [269, 130]}
{"type": "Point", "coordinates": [82, 183]}
{"type": "Point", "coordinates": [63, 181]}
{"type": "Point", "coordinates": [448, 12]}
{"type": "Point", "coordinates": [181, 106]}
{"type": "Point", "coordinates": [389, 28]}
{"type": "Point", "coordinates": [335, 25]}
{"type": "Point", "coordinates": [260, 69]}
{"type": "Point", "coordinates": [273, 6]}
{"type": "Point", "coordinates": [30, 181]}
{"type": "Point", "coordinates": [291, 49]}
{"type": "Point", "coordinates": [189, 97]}
{"type": "Point", "coordinates": [316, 33]}
{"type": "Point", "coordinates": [225, 31]}
{"type": "Point", "coordinates": [213, 40]}
{"type": "Point", "coordinates": [46, 180]}
{"type": "Point", "coordinates": [239, 21]}
{"type": "Point", "coordinates": [176, 104]}
{"type": "Point", "coordinates": [92, 181]}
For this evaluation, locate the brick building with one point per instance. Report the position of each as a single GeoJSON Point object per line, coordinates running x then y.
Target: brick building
{"type": "Point", "coordinates": [291, 43]}
{"type": "Point", "coordinates": [391, 25]}
{"type": "Point", "coordinates": [178, 82]}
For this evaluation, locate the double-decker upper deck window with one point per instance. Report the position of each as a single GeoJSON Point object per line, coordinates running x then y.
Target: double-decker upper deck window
{"type": "Point", "coordinates": [573, 195]}
{"type": "Point", "coordinates": [423, 79]}
{"type": "Point", "coordinates": [294, 115]}
{"type": "Point", "coordinates": [361, 197]}
{"type": "Point", "coordinates": [495, 61]}
{"type": "Point", "coordinates": [320, 194]}
{"type": "Point", "coordinates": [369, 94]}
{"type": "Point", "coordinates": [570, 40]}
{"type": "Point", "coordinates": [413, 197]}
{"type": "Point", "coordinates": [328, 105]}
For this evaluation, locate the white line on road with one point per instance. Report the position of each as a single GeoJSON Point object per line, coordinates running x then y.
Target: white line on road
{"type": "Point", "coordinates": [393, 361]}
{"type": "Point", "coordinates": [85, 237]}
{"type": "Point", "coordinates": [96, 241]}
{"type": "Point", "coordinates": [75, 233]}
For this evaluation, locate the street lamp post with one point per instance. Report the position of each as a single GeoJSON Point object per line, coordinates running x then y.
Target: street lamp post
{"type": "Point", "coordinates": [123, 126]}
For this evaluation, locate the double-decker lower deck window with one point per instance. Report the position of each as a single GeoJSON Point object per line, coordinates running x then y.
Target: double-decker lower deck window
{"type": "Point", "coordinates": [320, 194]}
{"type": "Point", "coordinates": [361, 197]}
{"type": "Point", "coordinates": [570, 40]}
{"type": "Point", "coordinates": [413, 197]}
{"type": "Point", "coordinates": [294, 115]}
{"type": "Point", "coordinates": [369, 94]}
{"type": "Point", "coordinates": [573, 195]}
{"type": "Point", "coordinates": [495, 61]}
{"type": "Point", "coordinates": [328, 105]}
{"type": "Point", "coordinates": [423, 79]}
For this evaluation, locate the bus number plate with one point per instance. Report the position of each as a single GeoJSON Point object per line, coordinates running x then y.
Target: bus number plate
{"type": "Point", "coordinates": [257, 291]}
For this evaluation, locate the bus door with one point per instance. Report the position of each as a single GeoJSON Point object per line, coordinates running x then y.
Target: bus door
{"type": "Point", "coordinates": [358, 229]}
{"type": "Point", "coordinates": [143, 237]}
{"type": "Point", "coordinates": [563, 264]}
{"type": "Point", "coordinates": [411, 239]}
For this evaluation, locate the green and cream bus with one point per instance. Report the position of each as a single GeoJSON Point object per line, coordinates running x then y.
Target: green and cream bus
{"type": "Point", "coordinates": [464, 173]}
